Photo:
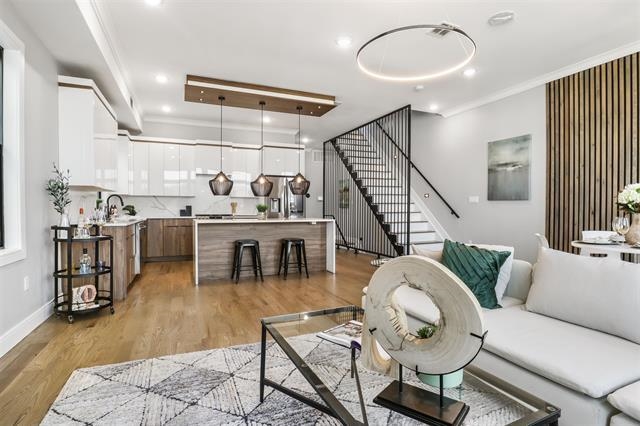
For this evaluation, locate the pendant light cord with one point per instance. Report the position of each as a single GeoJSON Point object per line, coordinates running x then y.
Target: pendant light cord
{"type": "Point", "coordinates": [299, 137]}
{"type": "Point", "coordinates": [221, 98]}
{"type": "Point", "coordinates": [261, 137]}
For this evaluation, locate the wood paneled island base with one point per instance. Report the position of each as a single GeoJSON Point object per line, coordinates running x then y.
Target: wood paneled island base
{"type": "Point", "coordinates": [214, 245]}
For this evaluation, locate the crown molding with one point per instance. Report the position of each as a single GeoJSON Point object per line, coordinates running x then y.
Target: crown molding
{"type": "Point", "coordinates": [99, 28]}
{"type": "Point", "coordinates": [214, 124]}
{"type": "Point", "coordinates": [585, 64]}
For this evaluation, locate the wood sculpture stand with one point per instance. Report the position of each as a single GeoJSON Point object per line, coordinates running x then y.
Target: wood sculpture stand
{"type": "Point", "coordinates": [422, 405]}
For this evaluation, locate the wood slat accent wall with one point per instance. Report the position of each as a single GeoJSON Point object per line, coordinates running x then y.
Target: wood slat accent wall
{"type": "Point", "coordinates": [593, 149]}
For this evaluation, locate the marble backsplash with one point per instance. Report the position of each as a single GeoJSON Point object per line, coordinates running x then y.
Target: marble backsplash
{"type": "Point", "coordinates": [149, 206]}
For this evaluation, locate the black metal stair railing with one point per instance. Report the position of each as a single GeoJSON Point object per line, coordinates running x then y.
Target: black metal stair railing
{"type": "Point", "coordinates": [376, 217]}
{"type": "Point", "coordinates": [413, 166]}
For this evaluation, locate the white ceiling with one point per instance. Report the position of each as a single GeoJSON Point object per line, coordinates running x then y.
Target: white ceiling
{"type": "Point", "coordinates": [291, 44]}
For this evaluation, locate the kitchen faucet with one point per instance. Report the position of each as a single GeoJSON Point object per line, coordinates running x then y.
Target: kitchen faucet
{"type": "Point", "coordinates": [109, 205]}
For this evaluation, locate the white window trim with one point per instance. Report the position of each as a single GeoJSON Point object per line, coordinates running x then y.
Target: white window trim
{"type": "Point", "coordinates": [13, 149]}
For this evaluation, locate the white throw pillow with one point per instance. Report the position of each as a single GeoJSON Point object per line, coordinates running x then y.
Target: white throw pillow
{"type": "Point", "coordinates": [627, 400]}
{"type": "Point", "coordinates": [598, 293]}
{"type": "Point", "coordinates": [505, 270]}
{"type": "Point", "coordinates": [431, 254]}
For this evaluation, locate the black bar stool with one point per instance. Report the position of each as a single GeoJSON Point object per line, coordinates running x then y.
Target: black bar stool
{"type": "Point", "coordinates": [254, 246]}
{"type": "Point", "coordinates": [285, 252]}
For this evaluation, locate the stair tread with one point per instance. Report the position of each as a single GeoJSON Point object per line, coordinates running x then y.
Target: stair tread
{"type": "Point", "coordinates": [424, 243]}
{"type": "Point", "coordinates": [416, 232]}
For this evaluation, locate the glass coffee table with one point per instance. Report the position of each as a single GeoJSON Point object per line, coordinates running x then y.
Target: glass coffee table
{"type": "Point", "coordinates": [328, 377]}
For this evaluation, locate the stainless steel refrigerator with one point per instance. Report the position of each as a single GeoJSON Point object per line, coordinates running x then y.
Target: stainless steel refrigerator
{"type": "Point", "coordinates": [282, 203]}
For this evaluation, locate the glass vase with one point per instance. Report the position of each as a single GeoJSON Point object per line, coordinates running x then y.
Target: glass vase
{"type": "Point", "coordinates": [633, 234]}
{"type": "Point", "coordinates": [64, 222]}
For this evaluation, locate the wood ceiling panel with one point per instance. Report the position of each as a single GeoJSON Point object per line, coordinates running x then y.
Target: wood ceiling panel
{"type": "Point", "coordinates": [247, 95]}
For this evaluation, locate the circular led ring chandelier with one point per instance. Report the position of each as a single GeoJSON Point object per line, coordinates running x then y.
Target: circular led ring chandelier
{"type": "Point", "coordinates": [422, 76]}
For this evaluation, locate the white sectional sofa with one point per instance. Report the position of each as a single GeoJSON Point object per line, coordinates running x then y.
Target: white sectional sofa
{"type": "Point", "coordinates": [567, 339]}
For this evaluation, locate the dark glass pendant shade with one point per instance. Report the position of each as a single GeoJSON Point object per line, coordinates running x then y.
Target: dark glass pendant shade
{"type": "Point", "coordinates": [261, 187]}
{"type": "Point", "coordinates": [221, 184]}
{"type": "Point", "coordinates": [299, 185]}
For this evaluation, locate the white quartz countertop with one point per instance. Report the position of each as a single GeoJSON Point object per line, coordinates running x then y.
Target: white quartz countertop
{"type": "Point", "coordinates": [260, 221]}
{"type": "Point", "coordinates": [124, 223]}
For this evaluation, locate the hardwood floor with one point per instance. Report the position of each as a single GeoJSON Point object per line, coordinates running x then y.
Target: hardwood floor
{"type": "Point", "coordinates": [163, 314]}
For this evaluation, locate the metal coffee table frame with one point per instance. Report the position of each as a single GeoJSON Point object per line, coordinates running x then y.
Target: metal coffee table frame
{"type": "Point", "coordinates": [543, 414]}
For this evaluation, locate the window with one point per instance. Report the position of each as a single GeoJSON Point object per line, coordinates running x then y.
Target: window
{"type": "Point", "coordinates": [13, 247]}
{"type": "Point", "coordinates": [1, 163]}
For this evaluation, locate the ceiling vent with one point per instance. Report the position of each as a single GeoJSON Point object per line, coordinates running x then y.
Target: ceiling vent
{"type": "Point", "coordinates": [443, 31]}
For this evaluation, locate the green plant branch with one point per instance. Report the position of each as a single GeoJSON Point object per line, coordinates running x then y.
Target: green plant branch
{"type": "Point", "coordinates": [58, 189]}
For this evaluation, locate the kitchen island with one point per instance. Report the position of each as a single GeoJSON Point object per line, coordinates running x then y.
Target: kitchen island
{"type": "Point", "coordinates": [213, 241]}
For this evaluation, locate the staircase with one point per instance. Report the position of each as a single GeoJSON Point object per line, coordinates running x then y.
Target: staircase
{"type": "Point", "coordinates": [376, 158]}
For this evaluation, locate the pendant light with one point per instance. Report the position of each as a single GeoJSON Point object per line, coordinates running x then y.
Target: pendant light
{"type": "Point", "coordinates": [299, 185]}
{"type": "Point", "coordinates": [261, 187]}
{"type": "Point", "coordinates": [221, 184]}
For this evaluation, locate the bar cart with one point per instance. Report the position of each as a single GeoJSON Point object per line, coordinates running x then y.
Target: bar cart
{"type": "Point", "coordinates": [66, 273]}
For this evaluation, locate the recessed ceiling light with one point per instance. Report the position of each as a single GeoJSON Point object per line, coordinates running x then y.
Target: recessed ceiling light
{"type": "Point", "coordinates": [161, 78]}
{"type": "Point", "coordinates": [305, 139]}
{"type": "Point", "coordinates": [343, 42]}
{"type": "Point", "coordinates": [501, 18]}
{"type": "Point", "coordinates": [433, 107]}
{"type": "Point", "coordinates": [419, 87]}
{"type": "Point", "coordinates": [469, 72]}
{"type": "Point", "coordinates": [266, 119]}
{"type": "Point", "coordinates": [153, 2]}
{"type": "Point", "coordinates": [166, 108]}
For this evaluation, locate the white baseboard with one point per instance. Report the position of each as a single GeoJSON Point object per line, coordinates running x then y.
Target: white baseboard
{"type": "Point", "coordinates": [21, 330]}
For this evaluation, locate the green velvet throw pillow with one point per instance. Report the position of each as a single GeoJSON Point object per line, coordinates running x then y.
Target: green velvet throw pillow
{"type": "Point", "coordinates": [478, 268]}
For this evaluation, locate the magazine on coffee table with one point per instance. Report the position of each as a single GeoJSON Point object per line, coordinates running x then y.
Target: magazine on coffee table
{"type": "Point", "coordinates": [344, 334]}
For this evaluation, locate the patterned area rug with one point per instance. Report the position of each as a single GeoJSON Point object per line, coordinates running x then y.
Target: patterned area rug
{"type": "Point", "coordinates": [221, 386]}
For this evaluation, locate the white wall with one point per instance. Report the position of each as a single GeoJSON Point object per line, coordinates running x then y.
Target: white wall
{"type": "Point", "coordinates": [20, 310]}
{"type": "Point", "coordinates": [313, 172]}
{"type": "Point", "coordinates": [452, 153]}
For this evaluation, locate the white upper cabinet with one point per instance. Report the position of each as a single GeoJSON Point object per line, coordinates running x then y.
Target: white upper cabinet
{"type": "Point", "coordinates": [187, 170]}
{"type": "Point", "coordinates": [171, 176]}
{"type": "Point", "coordinates": [156, 168]}
{"type": "Point", "coordinates": [207, 159]}
{"type": "Point", "coordinates": [106, 163]}
{"type": "Point", "coordinates": [252, 168]}
{"type": "Point", "coordinates": [162, 169]}
{"type": "Point", "coordinates": [237, 168]}
{"type": "Point", "coordinates": [139, 184]}
{"type": "Point", "coordinates": [282, 161]}
{"type": "Point", "coordinates": [87, 132]}
{"type": "Point", "coordinates": [124, 156]}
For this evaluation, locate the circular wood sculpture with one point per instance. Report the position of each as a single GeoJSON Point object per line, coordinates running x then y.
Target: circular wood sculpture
{"type": "Point", "coordinates": [458, 336]}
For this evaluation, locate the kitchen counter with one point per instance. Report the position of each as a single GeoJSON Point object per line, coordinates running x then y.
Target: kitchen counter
{"type": "Point", "coordinates": [264, 221]}
{"type": "Point", "coordinates": [117, 224]}
{"type": "Point", "coordinates": [214, 244]}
